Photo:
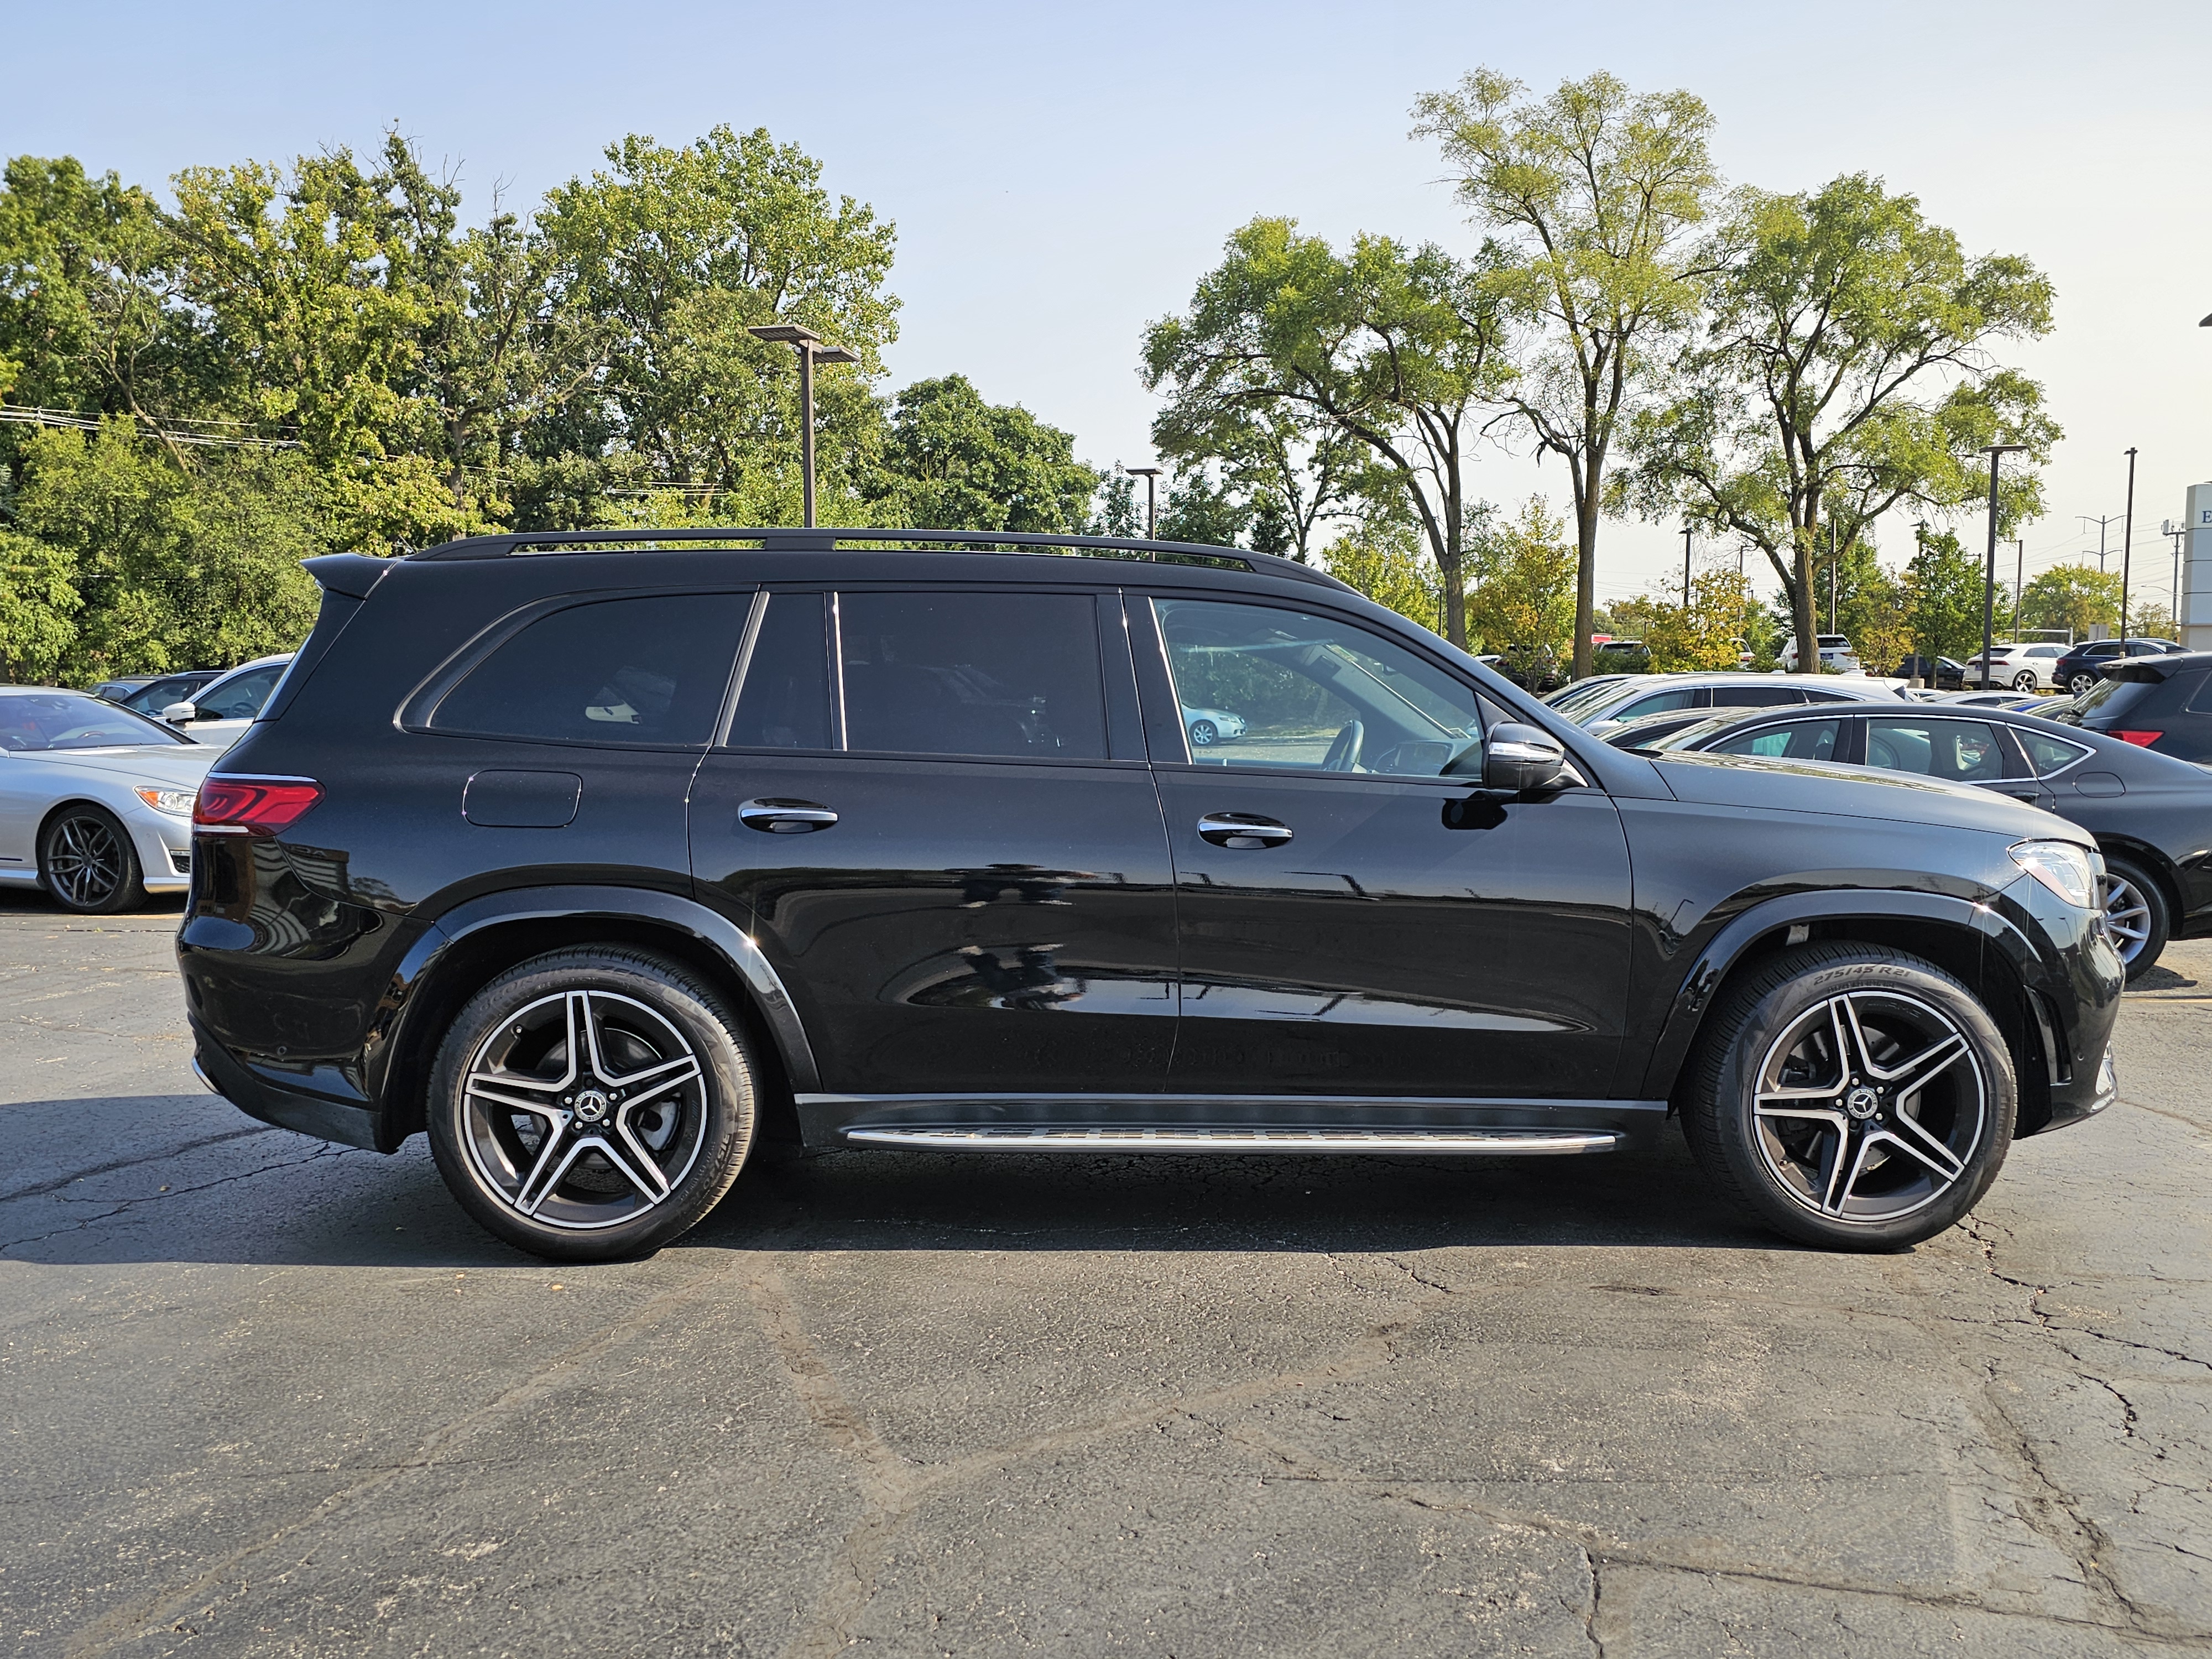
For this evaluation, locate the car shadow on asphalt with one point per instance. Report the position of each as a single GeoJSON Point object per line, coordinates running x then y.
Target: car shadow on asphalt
{"type": "Point", "coordinates": [245, 1196]}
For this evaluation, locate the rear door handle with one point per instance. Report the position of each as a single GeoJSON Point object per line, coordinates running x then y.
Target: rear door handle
{"type": "Point", "coordinates": [785, 817]}
{"type": "Point", "coordinates": [1241, 831]}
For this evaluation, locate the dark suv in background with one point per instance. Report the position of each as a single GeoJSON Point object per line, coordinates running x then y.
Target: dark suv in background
{"type": "Point", "coordinates": [602, 861]}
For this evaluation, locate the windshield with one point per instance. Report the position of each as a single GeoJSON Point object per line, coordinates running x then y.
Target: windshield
{"type": "Point", "coordinates": [32, 721]}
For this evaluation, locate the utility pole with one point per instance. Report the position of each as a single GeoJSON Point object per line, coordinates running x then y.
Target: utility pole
{"type": "Point", "coordinates": [1147, 473]}
{"type": "Point", "coordinates": [2128, 543]}
{"type": "Point", "coordinates": [1685, 572]}
{"type": "Point", "coordinates": [1996, 453]}
{"type": "Point", "coordinates": [2174, 532]}
{"type": "Point", "coordinates": [2019, 567]}
{"type": "Point", "coordinates": [2100, 524]}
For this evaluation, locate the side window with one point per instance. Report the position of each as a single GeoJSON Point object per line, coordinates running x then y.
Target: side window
{"type": "Point", "coordinates": [1813, 696]}
{"type": "Point", "coordinates": [1957, 751]}
{"type": "Point", "coordinates": [785, 702]}
{"type": "Point", "coordinates": [645, 670]}
{"type": "Point", "coordinates": [240, 699]}
{"type": "Point", "coordinates": [2200, 694]}
{"type": "Point", "coordinates": [955, 672]}
{"type": "Point", "coordinates": [2046, 651]}
{"type": "Point", "coordinates": [1754, 696]}
{"type": "Point", "coordinates": [1812, 740]}
{"type": "Point", "coordinates": [1659, 702]}
{"type": "Point", "coordinates": [1311, 694]}
{"type": "Point", "coordinates": [2047, 754]}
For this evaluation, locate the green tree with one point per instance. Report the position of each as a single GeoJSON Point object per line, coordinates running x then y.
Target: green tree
{"type": "Point", "coordinates": [673, 253]}
{"type": "Point", "coordinates": [38, 605]}
{"type": "Point", "coordinates": [1701, 635]}
{"type": "Point", "coordinates": [1591, 196]}
{"type": "Point", "coordinates": [1385, 557]}
{"type": "Point", "coordinates": [957, 463]}
{"type": "Point", "coordinates": [1843, 370]}
{"type": "Point", "coordinates": [1944, 585]}
{"type": "Point", "coordinates": [1394, 349]}
{"type": "Point", "coordinates": [1200, 509]}
{"type": "Point", "coordinates": [2073, 596]}
{"type": "Point", "coordinates": [1520, 590]}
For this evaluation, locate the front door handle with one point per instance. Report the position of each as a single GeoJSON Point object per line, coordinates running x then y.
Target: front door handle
{"type": "Point", "coordinates": [1241, 831]}
{"type": "Point", "coordinates": [785, 817]}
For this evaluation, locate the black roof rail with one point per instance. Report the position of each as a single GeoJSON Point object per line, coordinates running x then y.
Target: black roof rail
{"type": "Point", "coordinates": [829, 537]}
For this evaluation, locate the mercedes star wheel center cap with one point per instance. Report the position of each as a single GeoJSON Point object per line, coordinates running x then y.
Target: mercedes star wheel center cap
{"type": "Point", "coordinates": [1861, 1102]}
{"type": "Point", "coordinates": [591, 1107]}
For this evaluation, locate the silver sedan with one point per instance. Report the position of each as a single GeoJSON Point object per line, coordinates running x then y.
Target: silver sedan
{"type": "Point", "coordinates": [95, 802]}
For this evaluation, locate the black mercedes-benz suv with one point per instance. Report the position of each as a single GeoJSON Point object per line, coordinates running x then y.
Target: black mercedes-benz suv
{"type": "Point", "coordinates": [603, 858]}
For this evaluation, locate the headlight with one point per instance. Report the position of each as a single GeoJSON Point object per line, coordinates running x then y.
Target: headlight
{"type": "Point", "coordinates": [2063, 867]}
{"type": "Point", "coordinates": [176, 801]}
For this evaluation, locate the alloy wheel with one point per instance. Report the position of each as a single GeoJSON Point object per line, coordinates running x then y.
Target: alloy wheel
{"type": "Point", "coordinates": [1869, 1106]}
{"type": "Point", "coordinates": [2024, 681]}
{"type": "Point", "coordinates": [2127, 917]}
{"type": "Point", "coordinates": [1202, 734]}
{"type": "Point", "coordinates": [584, 1109]}
{"type": "Point", "coordinates": [85, 861]}
{"type": "Point", "coordinates": [2080, 683]}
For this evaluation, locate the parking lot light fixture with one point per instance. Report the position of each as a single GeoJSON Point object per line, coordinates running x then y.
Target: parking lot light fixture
{"type": "Point", "coordinates": [812, 349]}
{"type": "Point", "coordinates": [1148, 474]}
{"type": "Point", "coordinates": [1996, 453]}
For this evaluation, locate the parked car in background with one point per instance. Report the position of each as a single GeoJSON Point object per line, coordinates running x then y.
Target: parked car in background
{"type": "Point", "coordinates": [1580, 692]}
{"type": "Point", "coordinates": [1663, 694]}
{"type": "Point", "coordinates": [95, 802]}
{"type": "Point", "coordinates": [2162, 702]}
{"type": "Point", "coordinates": [2031, 667]}
{"type": "Point", "coordinates": [1208, 726]}
{"type": "Point", "coordinates": [151, 698]}
{"type": "Point", "coordinates": [523, 856]}
{"type": "Point", "coordinates": [1939, 672]}
{"type": "Point", "coordinates": [1836, 653]}
{"type": "Point", "coordinates": [116, 689]}
{"type": "Point", "coordinates": [222, 710]}
{"type": "Point", "coordinates": [1620, 656]}
{"type": "Point", "coordinates": [2078, 669]}
{"type": "Point", "coordinates": [2151, 814]}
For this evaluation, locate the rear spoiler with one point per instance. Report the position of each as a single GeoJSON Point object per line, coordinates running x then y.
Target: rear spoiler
{"type": "Point", "coordinates": [350, 574]}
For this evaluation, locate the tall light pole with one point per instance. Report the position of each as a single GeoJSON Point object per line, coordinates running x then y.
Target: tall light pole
{"type": "Point", "coordinates": [812, 349]}
{"type": "Point", "coordinates": [2128, 543]}
{"type": "Point", "coordinates": [2019, 569]}
{"type": "Point", "coordinates": [1996, 453]}
{"type": "Point", "coordinates": [1148, 474]}
{"type": "Point", "coordinates": [1685, 570]}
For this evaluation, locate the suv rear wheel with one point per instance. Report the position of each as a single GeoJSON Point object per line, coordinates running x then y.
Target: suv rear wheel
{"type": "Point", "coordinates": [2025, 680]}
{"type": "Point", "coordinates": [2079, 682]}
{"type": "Point", "coordinates": [1853, 1097]}
{"type": "Point", "coordinates": [593, 1104]}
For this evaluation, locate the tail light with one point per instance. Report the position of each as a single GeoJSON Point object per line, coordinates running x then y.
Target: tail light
{"type": "Point", "coordinates": [253, 807]}
{"type": "Point", "coordinates": [2141, 739]}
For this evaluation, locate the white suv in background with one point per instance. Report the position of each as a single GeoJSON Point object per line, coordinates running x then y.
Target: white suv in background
{"type": "Point", "coordinates": [1836, 653]}
{"type": "Point", "coordinates": [2022, 667]}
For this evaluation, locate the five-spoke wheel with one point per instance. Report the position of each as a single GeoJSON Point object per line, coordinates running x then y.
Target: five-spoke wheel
{"type": "Point", "coordinates": [2135, 915]}
{"type": "Point", "coordinates": [87, 862]}
{"type": "Point", "coordinates": [593, 1104]}
{"type": "Point", "coordinates": [1853, 1096]}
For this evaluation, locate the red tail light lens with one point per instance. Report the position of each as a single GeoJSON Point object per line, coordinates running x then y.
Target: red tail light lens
{"type": "Point", "coordinates": [2141, 739]}
{"type": "Point", "coordinates": [253, 807]}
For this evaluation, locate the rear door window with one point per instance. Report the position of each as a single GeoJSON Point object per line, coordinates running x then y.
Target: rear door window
{"type": "Point", "coordinates": [785, 699]}
{"type": "Point", "coordinates": [648, 670]}
{"type": "Point", "coordinates": [1812, 740]}
{"type": "Point", "coordinates": [1659, 702]}
{"type": "Point", "coordinates": [1755, 696]}
{"type": "Point", "coordinates": [1956, 751]}
{"type": "Point", "coordinates": [950, 672]}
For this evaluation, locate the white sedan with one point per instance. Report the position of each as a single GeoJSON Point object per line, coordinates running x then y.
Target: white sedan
{"type": "Point", "coordinates": [1208, 726]}
{"type": "Point", "coordinates": [95, 802]}
{"type": "Point", "coordinates": [221, 710]}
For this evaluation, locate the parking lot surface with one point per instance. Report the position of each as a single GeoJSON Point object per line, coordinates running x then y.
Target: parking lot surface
{"type": "Point", "coordinates": [263, 1395]}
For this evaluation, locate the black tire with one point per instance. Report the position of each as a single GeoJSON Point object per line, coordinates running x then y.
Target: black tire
{"type": "Point", "coordinates": [1777, 1154]}
{"type": "Point", "coordinates": [1204, 734]}
{"type": "Point", "coordinates": [2025, 680]}
{"type": "Point", "coordinates": [88, 863]}
{"type": "Point", "coordinates": [564, 1160]}
{"type": "Point", "coordinates": [2136, 915]}
{"type": "Point", "coordinates": [2077, 682]}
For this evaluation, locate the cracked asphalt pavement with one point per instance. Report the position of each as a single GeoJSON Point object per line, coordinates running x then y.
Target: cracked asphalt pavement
{"type": "Point", "coordinates": [264, 1396]}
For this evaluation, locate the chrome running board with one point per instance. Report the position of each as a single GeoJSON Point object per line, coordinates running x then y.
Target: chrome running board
{"type": "Point", "coordinates": [1051, 1138]}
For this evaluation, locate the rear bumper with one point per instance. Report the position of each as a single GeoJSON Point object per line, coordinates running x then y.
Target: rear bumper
{"type": "Point", "coordinates": [258, 1096]}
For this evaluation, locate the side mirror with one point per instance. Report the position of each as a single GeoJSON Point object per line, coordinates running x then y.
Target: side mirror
{"type": "Point", "coordinates": [1518, 757]}
{"type": "Point", "coordinates": [180, 714]}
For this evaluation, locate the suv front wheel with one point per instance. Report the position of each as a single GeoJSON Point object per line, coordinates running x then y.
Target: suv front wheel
{"type": "Point", "coordinates": [1852, 1097]}
{"type": "Point", "coordinates": [590, 1105]}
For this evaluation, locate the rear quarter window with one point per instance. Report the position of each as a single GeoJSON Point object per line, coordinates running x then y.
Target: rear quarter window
{"type": "Point", "coordinates": [2199, 688]}
{"type": "Point", "coordinates": [648, 670]}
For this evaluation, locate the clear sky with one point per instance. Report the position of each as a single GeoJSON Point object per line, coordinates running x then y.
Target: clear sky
{"type": "Point", "coordinates": [1060, 175]}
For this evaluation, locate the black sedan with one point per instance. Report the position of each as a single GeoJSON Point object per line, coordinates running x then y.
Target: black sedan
{"type": "Point", "coordinates": [2151, 814]}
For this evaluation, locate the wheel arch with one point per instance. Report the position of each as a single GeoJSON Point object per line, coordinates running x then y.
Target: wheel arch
{"type": "Point", "coordinates": [1973, 943]}
{"type": "Point", "coordinates": [2152, 861]}
{"type": "Point", "coordinates": [482, 938]}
